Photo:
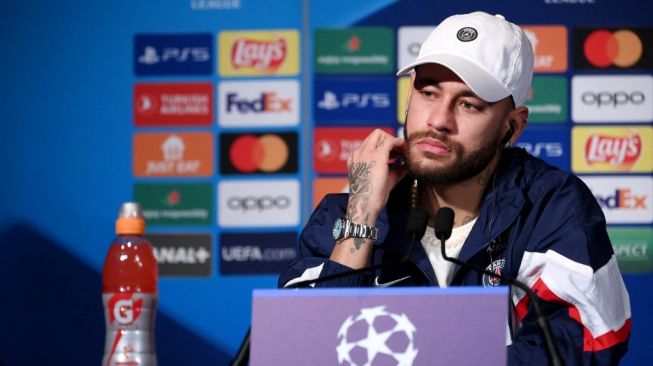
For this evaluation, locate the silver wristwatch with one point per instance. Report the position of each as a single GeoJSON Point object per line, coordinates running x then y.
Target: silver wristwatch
{"type": "Point", "coordinates": [344, 228]}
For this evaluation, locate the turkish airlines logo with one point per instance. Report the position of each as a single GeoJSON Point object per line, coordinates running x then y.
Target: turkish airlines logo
{"type": "Point", "coordinates": [624, 199]}
{"type": "Point", "coordinates": [258, 203]}
{"type": "Point", "coordinates": [123, 309]}
{"type": "Point", "coordinates": [613, 48]}
{"type": "Point", "coordinates": [613, 150]}
{"type": "Point", "coordinates": [608, 98]}
{"type": "Point", "coordinates": [258, 153]}
{"type": "Point", "coordinates": [259, 53]}
{"type": "Point", "coordinates": [260, 103]}
{"type": "Point", "coordinates": [184, 104]}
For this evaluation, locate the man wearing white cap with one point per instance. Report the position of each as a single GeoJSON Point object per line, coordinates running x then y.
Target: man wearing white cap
{"type": "Point", "coordinates": [514, 214]}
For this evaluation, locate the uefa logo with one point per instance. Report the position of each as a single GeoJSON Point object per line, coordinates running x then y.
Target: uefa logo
{"type": "Point", "coordinates": [376, 336]}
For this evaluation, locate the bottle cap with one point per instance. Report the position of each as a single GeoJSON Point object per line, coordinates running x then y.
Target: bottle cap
{"type": "Point", "coordinates": [130, 220]}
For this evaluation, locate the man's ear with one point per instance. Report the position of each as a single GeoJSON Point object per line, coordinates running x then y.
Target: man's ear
{"type": "Point", "coordinates": [517, 119]}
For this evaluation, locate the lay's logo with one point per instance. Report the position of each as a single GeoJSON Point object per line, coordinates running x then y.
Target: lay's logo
{"type": "Point", "coordinates": [612, 149]}
{"type": "Point", "coordinates": [259, 53]}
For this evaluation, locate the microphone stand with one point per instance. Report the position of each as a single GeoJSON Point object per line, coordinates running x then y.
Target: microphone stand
{"type": "Point", "coordinates": [443, 234]}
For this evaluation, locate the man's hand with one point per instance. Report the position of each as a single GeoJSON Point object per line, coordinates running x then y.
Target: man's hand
{"type": "Point", "coordinates": [370, 183]}
{"type": "Point", "coordinates": [370, 179]}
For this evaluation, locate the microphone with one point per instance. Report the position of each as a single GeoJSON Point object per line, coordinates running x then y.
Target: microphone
{"type": "Point", "coordinates": [415, 226]}
{"type": "Point", "coordinates": [443, 226]}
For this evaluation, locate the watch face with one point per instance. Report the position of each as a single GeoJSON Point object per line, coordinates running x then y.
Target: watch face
{"type": "Point", "coordinates": [337, 229]}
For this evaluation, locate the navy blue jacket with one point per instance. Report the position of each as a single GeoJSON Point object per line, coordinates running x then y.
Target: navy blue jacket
{"type": "Point", "coordinates": [537, 224]}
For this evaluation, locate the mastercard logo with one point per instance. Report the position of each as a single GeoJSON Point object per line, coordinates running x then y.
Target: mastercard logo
{"type": "Point", "coordinates": [621, 48]}
{"type": "Point", "coordinates": [259, 153]}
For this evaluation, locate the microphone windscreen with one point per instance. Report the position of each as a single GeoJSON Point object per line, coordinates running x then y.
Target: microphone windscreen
{"type": "Point", "coordinates": [443, 223]}
{"type": "Point", "coordinates": [417, 220]}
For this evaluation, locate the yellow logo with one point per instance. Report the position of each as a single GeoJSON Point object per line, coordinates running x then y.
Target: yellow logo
{"type": "Point", "coordinates": [403, 85]}
{"type": "Point", "coordinates": [261, 53]}
{"type": "Point", "coordinates": [612, 149]}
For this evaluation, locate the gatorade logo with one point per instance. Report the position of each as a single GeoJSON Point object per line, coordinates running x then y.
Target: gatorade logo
{"type": "Point", "coordinates": [259, 153]}
{"type": "Point", "coordinates": [618, 48]}
{"type": "Point", "coordinates": [124, 309]}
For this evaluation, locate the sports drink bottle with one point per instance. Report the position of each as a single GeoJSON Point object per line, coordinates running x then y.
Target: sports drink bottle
{"type": "Point", "coordinates": [129, 293]}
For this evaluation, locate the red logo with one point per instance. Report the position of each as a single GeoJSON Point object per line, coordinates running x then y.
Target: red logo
{"type": "Point", "coordinates": [166, 104]}
{"type": "Point", "coordinates": [621, 48]}
{"type": "Point", "coordinates": [332, 146]}
{"type": "Point", "coordinates": [613, 150]}
{"type": "Point", "coordinates": [124, 309]}
{"type": "Point", "coordinates": [263, 55]}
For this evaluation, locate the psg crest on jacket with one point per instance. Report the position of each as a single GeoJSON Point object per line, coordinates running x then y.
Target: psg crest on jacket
{"type": "Point", "coordinates": [495, 267]}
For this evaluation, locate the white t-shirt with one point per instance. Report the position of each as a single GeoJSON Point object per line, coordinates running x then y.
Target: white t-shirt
{"type": "Point", "coordinates": [444, 269]}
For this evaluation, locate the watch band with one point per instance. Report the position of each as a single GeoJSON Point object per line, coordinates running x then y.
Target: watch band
{"type": "Point", "coordinates": [351, 229]}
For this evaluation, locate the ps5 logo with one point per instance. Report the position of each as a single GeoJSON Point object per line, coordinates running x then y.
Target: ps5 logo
{"type": "Point", "coordinates": [151, 56]}
{"type": "Point", "coordinates": [330, 100]}
{"type": "Point", "coordinates": [543, 149]}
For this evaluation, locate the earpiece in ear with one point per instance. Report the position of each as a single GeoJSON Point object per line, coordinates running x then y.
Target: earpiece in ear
{"type": "Point", "coordinates": [505, 142]}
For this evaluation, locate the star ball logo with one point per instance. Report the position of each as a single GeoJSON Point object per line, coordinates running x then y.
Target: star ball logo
{"type": "Point", "coordinates": [262, 153]}
{"type": "Point", "coordinates": [613, 48]}
{"type": "Point", "coordinates": [376, 336]}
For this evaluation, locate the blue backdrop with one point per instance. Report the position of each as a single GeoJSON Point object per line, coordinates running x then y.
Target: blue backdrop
{"type": "Point", "coordinates": [67, 74]}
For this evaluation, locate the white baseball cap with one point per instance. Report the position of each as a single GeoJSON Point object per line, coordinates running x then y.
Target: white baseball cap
{"type": "Point", "coordinates": [491, 55]}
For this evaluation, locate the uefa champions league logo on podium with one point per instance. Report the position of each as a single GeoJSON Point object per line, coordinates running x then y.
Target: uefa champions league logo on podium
{"type": "Point", "coordinates": [376, 337]}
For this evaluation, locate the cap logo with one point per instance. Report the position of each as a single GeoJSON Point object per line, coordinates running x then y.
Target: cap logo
{"type": "Point", "coordinates": [467, 34]}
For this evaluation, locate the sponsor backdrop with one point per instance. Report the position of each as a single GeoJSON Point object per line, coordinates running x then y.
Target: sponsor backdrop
{"type": "Point", "coordinates": [228, 120]}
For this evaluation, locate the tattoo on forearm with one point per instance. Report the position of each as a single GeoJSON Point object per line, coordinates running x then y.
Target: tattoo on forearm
{"type": "Point", "coordinates": [359, 188]}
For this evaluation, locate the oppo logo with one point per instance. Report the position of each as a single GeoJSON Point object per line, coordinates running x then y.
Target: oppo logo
{"type": "Point", "coordinates": [614, 99]}
{"type": "Point", "coordinates": [621, 48]}
{"type": "Point", "coordinates": [261, 203]}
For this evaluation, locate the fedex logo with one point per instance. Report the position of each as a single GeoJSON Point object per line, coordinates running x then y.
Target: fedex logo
{"type": "Point", "coordinates": [267, 102]}
{"type": "Point", "coordinates": [343, 100]}
{"type": "Point", "coordinates": [176, 54]}
{"type": "Point", "coordinates": [624, 199]}
{"type": "Point", "coordinates": [259, 103]}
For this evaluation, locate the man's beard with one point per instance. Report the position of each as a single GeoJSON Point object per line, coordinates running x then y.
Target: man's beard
{"type": "Point", "coordinates": [460, 169]}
